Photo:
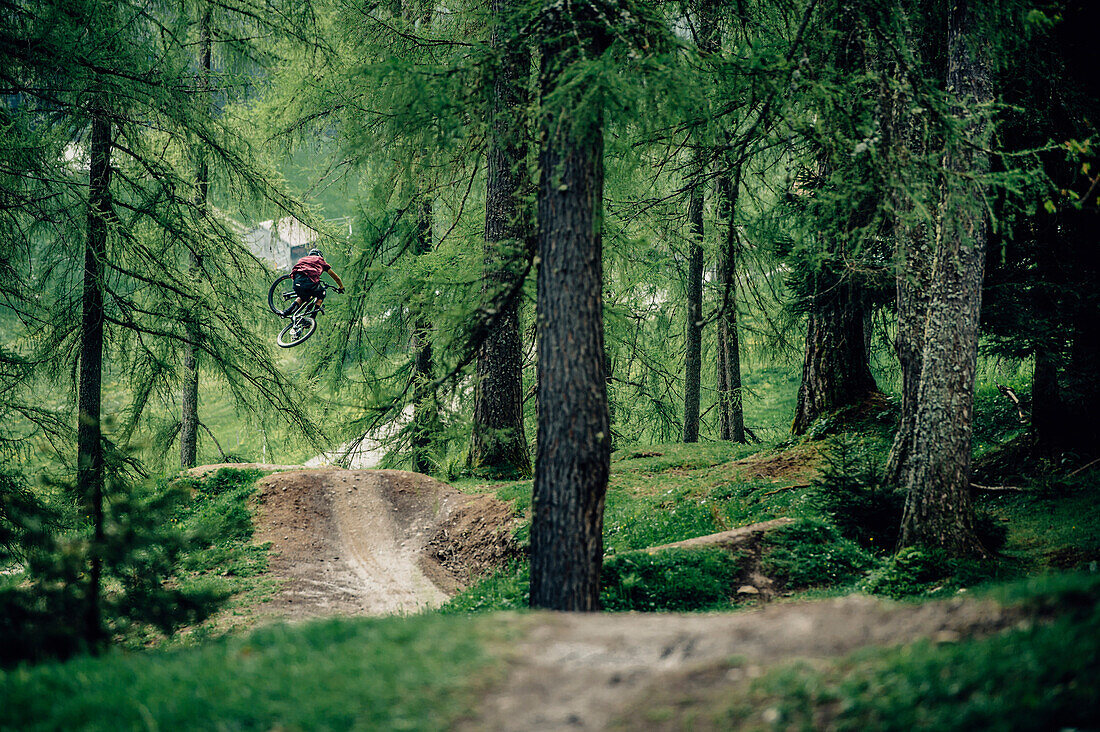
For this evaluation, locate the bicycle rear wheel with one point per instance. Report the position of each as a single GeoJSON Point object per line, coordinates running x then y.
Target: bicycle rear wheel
{"type": "Point", "coordinates": [296, 331]}
{"type": "Point", "coordinates": [281, 294]}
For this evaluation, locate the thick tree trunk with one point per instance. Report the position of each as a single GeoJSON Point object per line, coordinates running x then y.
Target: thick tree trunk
{"type": "Point", "coordinates": [693, 320]}
{"type": "Point", "coordinates": [189, 406]}
{"type": "Point", "coordinates": [836, 371]}
{"type": "Point", "coordinates": [938, 508]}
{"type": "Point", "coordinates": [424, 408]}
{"type": "Point", "coordinates": [914, 257]}
{"type": "Point", "coordinates": [912, 262]}
{"type": "Point", "coordinates": [498, 442]}
{"type": "Point", "coordinates": [89, 435]}
{"type": "Point", "coordinates": [731, 420]}
{"type": "Point", "coordinates": [573, 446]}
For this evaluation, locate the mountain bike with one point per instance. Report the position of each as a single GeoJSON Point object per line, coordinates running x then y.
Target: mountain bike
{"type": "Point", "coordinates": [303, 321]}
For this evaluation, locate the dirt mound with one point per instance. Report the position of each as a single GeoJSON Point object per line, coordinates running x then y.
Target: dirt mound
{"type": "Point", "coordinates": [475, 539]}
{"type": "Point", "coordinates": [373, 542]}
{"type": "Point", "coordinates": [798, 463]}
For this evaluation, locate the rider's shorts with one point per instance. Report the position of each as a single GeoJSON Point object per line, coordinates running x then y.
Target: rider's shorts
{"type": "Point", "coordinates": [306, 288]}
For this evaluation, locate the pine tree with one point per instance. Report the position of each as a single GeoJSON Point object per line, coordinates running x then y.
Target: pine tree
{"type": "Point", "coordinates": [114, 95]}
{"type": "Point", "coordinates": [574, 433]}
{"type": "Point", "coordinates": [498, 442]}
{"type": "Point", "coordinates": [938, 509]}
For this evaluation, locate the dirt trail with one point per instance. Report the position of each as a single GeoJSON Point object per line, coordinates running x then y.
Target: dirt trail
{"type": "Point", "coordinates": [583, 671]}
{"type": "Point", "coordinates": [370, 542]}
{"type": "Point", "coordinates": [380, 542]}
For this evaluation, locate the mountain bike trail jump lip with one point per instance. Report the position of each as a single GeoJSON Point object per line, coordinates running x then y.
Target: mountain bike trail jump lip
{"type": "Point", "coordinates": [351, 542]}
{"type": "Point", "coordinates": [369, 542]}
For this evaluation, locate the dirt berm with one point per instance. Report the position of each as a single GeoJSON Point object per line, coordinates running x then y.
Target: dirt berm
{"type": "Point", "coordinates": [375, 542]}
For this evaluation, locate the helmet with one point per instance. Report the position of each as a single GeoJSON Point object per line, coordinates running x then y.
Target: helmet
{"type": "Point", "coordinates": [316, 253]}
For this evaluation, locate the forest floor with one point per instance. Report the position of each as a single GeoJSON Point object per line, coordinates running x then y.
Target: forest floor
{"type": "Point", "coordinates": [385, 542]}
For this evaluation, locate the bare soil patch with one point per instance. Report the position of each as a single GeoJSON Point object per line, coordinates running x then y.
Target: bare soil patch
{"type": "Point", "coordinates": [796, 465]}
{"type": "Point", "coordinates": [372, 542]}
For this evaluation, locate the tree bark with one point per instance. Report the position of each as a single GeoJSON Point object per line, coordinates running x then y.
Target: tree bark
{"type": "Point", "coordinates": [938, 509]}
{"type": "Point", "coordinates": [189, 406]}
{"type": "Point", "coordinates": [836, 371]}
{"type": "Point", "coordinates": [424, 407]}
{"type": "Point", "coordinates": [693, 321]}
{"type": "Point", "coordinates": [731, 419]}
{"type": "Point", "coordinates": [89, 436]}
{"type": "Point", "coordinates": [913, 263]}
{"type": "Point", "coordinates": [498, 442]}
{"type": "Point", "coordinates": [573, 445]}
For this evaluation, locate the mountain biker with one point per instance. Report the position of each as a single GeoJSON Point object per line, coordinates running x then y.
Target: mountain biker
{"type": "Point", "coordinates": [307, 273]}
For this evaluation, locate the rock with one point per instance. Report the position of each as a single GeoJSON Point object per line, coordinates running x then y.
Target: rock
{"type": "Point", "coordinates": [747, 590]}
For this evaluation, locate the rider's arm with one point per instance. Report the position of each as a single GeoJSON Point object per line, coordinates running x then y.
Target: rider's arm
{"type": "Point", "coordinates": [333, 275]}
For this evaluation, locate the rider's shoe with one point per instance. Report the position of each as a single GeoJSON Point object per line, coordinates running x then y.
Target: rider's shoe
{"type": "Point", "coordinates": [288, 311]}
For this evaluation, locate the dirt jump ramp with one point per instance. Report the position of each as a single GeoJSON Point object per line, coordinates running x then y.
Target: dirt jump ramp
{"type": "Point", "coordinates": [374, 542]}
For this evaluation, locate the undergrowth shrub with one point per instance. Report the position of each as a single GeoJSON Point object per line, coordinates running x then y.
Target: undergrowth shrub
{"type": "Point", "coordinates": [157, 536]}
{"type": "Point", "coordinates": [218, 523]}
{"type": "Point", "coordinates": [910, 572]}
{"type": "Point", "coordinates": [672, 580]}
{"type": "Point", "coordinates": [850, 494]}
{"type": "Point", "coordinates": [920, 572]}
{"type": "Point", "coordinates": [506, 589]}
{"type": "Point", "coordinates": [812, 553]}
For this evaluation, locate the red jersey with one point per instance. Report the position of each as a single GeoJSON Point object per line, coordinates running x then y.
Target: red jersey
{"type": "Point", "coordinates": [311, 267]}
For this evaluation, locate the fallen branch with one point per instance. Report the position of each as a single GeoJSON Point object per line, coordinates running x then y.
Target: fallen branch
{"type": "Point", "coordinates": [215, 439]}
{"type": "Point", "coordinates": [1084, 467]}
{"type": "Point", "coordinates": [995, 488]}
{"type": "Point", "coordinates": [1008, 392]}
{"type": "Point", "coordinates": [785, 488]}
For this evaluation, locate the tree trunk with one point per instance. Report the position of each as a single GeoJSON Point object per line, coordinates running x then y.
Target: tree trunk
{"type": "Point", "coordinates": [914, 258]}
{"type": "Point", "coordinates": [731, 419]}
{"type": "Point", "coordinates": [912, 262]}
{"type": "Point", "coordinates": [498, 442]}
{"type": "Point", "coordinates": [938, 508]}
{"type": "Point", "coordinates": [424, 407]}
{"type": "Point", "coordinates": [836, 371]}
{"type": "Point", "coordinates": [693, 321]}
{"type": "Point", "coordinates": [189, 407]}
{"type": "Point", "coordinates": [573, 445]}
{"type": "Point", "coordinates": [89, 436]}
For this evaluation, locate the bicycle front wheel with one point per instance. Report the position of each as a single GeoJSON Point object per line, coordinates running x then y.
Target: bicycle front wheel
{"type": "Point", "coordinates": [296, 331]}
{"type": "Point", "coordinates": [281, 294]}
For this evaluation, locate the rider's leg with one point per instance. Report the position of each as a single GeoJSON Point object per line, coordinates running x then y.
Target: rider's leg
{"type": "Point", "coordinates": [293, 306]}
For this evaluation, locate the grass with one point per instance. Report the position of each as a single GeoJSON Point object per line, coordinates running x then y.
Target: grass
{"type": "Point", "coordinates": [1052, 524]}
{"type": "Point", "coordinates": [416, 673]}
{"type": "Point", "coordinates": [425, 672]}
{"type": "Point", "coordinates": [1040, 674]}
{"type": "Point", "coordinates": [1036, 677]}
{"type": "Point", "coordinates": [220, 556]}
